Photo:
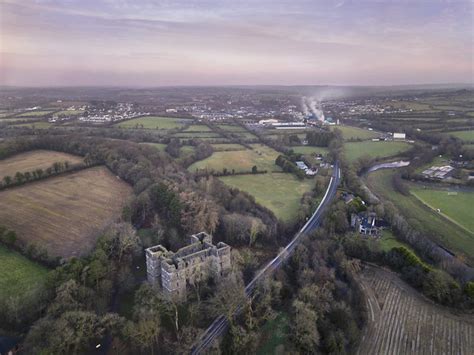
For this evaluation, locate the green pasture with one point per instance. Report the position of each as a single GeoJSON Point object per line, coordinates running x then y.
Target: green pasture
{"type": "Point", "coordinates": [197, 128]}
{"type": "Point", "coordinates": [356, 150]}
{"type": "Point", "coordinates": [455, 205]}
{"type": "Point", "coordinates": [279, 192]}
{"type": "Point", "coordinates": [153, 122]}
{"type": "Point", "coordinates": [262, 156]}
{"type": "Point", "coordinates": [306, 149]}
{"type": "Point", "coordinates": [231, 128]}
{"type": "Point", "coordinates": [19, 275]}
{"type": "Point", "coordinates": [467, 136]}
{"type": "Point", "coordinates": [227, 146]}
{"type": "Point", "coordinates": [33, 113]}
{"type": "Point", "coordinates": [353, 133]}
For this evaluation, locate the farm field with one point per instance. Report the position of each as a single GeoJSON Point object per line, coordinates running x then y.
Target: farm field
{"type": "Point", "coordinates": [279, 192]}
{"type": "Point", "coordinates": [36, 125]}
{"type": "Point", "coordinates": [159, 146]}
{"type": "Point", "coordinates": [400, 321]}
{"type": "Point", "coordinates": [262, 156]}
{"type": "Point", "coordinates": [445, 232]}
{"type": "Point", "coordinates": [467, 136]}
{"type": "Point", "coordinates": [306, 149]}
{"type": "Point", "coordinates": [69, 113]}
{"type": "Point", "coordinates": [356, 150]}
{"type": "Point", "coordinates": [19, 274]}
{"type": "Point", "coordinates": [154, 122]}
{"type": "Point", "coordinates": [219, 147]}
{"type": "Point", "coordinates": [353, 133]}
{"type": "Point", "coordinates": [457, 206]}
{"type": "Point", "coordinates": [197, 135]}
{"type": "Point", "coordinates": [231, 128]}
{"type": "Point", "coordinates": [34, 113]}
{"type": "Point", "coordinates": [52, 212]}
{"type": "Point", "coordinates": [197, 128]}
{"type": "Point", "coordinates": [37, 159]}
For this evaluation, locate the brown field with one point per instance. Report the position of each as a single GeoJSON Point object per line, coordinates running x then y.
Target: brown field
{"type": "Point", "coordinates": [37, 159]}
{"type": "Point", "coordinates": [64, 214]}
{"type": "Point", "coordinates": [401, 321]}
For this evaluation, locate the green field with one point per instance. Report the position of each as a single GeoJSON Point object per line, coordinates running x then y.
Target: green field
{"type": "Point", "coordinates": [33, 113]}
{"type": "Point", "coordinates": [198, 128]}
{"type": "Point", "coordinates": [388, 241]}
{"type": "Point", "coordinates": [69, 113]}
{"type": "Point", "coordinates": [456, 206]}
{"type": "Point", "coordinates": [423, 218]}
{"type": "Point", "coordinates": [467, 136]}
{"type": "Point", "coordinates": [159, 146]}
{"type": "Point", "coordinates": [227, 146]}
{"type": "Point", "coordinates": [274, 335]}
{"type": "Point", "coordinates": [197, 135]}
{"type": "Point", "coordinates": [262, 156]}
{"type": "Point", "coordinates": [154, 122]}
{"type": "Point", "coordinates": [306, 149]}
{"type": "Point", "coordinates": [36, 125]}
{"type": "Point", "coordinates": [279, 192]}
{"type": "Point", "coordinates": [356, 150]}
{"type": "Point", "coordinates": [352, 133]}
{"type": "Point", "coordinates": [19, 275]}
{"type": "Point", "coordinates": [231, 128]}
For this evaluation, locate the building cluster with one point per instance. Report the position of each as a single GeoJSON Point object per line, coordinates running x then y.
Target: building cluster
{"type": "Point", "coordinates": [172, 272]}
{"type": "Point", "coordinates": [308, 171]}
{"type": "Point", "coordinates": [122, 111]}
{"type": "Point", "coordinates": [438, 172]}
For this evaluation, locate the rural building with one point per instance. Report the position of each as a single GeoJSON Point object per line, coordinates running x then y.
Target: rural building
{"type": "Point", "coordinates": [171, 272]}
{"type": "Point", "coordinates": [365, 223]}
{"type": "Point", "coordinates": [399, 136]}
{"type": "Point", "coordinates": [438, 172]}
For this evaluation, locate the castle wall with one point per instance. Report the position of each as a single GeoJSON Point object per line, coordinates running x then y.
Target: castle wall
{"type": "Point", "coordinates": [172, 272]}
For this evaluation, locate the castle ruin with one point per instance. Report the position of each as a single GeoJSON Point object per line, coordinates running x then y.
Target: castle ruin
{"type": "Point", "coordinates": [171, 272]}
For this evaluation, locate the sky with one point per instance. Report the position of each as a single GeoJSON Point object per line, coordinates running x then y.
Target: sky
{"type": "Point", "coordinates": [235, 42]}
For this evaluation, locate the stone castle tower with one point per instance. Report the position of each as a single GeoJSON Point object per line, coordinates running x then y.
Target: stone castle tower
{"type": "Point", "coordinates": [173, 272]}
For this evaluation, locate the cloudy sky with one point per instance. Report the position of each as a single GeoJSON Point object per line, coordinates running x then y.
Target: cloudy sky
{"type": "Point", "coordinates": [209, 42]}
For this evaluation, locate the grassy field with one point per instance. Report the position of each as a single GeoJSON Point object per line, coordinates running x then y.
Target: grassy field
{"type": "Point", "coordinates": [467, 136]}
{"type": "Point", "coordinates": [356, 150]}
{"type": "Point", "coordinates": [35, 125]}
{"type": "Point", "coordinates": [37, 159]}
{"type": "Point", "coordinates": [159, 146]}
{"type": "Point", "coordinates": [19, 274]}
{"type": "Point", "coordinates": [69, 113]}
{"type": "Point", "coordinates": [33, 113]}
{"type": "Point", "coordinates": [279, 192]}
{"type": "Point", "coordinates": [275, 335]}
{"type": "Point", "coordinates": [231, 128]}
{"type": "Point", "coordinates": [306, 149]}
{"type": "Point", "coordinates": [388, 241]}
{"type": "Point", "coordinates": [198, 128]}
{"type": "Point", "coordinates": [445, 232]}
{"type": "Point", "coordinates": [64, 214]}
{"type": "Point", "coordinates": [261, 156]}
{"type": "Point", "coordinates": [197, 135]}
{"type": "Point", "coordinates": [227, 146]}
{"type": "Point", "coordinates": [153, 122]}
{"type": "Point", "coordinates": [351, 133]}
{"type": "Point", "coordinates": [457, 206]}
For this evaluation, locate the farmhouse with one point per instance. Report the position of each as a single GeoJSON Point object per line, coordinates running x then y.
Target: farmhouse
{"type": "Point", "coordinates": [171, 273]}
{"type": "Point", "coordinates": [365, 223]}
{"type": "Point", "coordinates": [399, 135]}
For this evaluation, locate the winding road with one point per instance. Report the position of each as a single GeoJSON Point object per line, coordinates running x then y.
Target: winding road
{"type": "Point", "coordinates": [220, 324]}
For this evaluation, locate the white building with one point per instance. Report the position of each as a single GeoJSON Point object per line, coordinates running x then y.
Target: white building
{"type": "Point", "coordinates": [399, 135]}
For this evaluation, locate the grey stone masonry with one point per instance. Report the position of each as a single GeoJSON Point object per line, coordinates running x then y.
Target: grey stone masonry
{"type": "Point", "coordinates": [171, 273]}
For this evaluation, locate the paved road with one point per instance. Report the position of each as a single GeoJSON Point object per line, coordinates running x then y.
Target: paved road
{"type": "Point", "coordinates": [220, 324]}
